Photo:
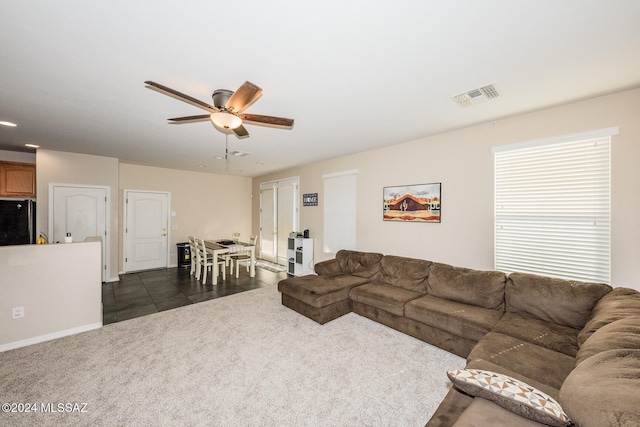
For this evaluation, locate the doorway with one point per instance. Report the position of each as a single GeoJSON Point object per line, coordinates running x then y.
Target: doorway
{"type": "Point", "coordinates": [279, 216]}
{"type": "Point", "coordinates": [81, 211]}
{"type": "Point", "coordinates": [146, 232]}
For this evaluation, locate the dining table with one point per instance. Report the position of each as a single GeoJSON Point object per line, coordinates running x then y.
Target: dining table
{"type": "Point", "coordinates": [220, 247]}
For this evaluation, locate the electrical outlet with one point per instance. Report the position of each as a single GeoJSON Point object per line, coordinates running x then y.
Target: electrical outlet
{"type": "Point", "coordinates": [18, 312]}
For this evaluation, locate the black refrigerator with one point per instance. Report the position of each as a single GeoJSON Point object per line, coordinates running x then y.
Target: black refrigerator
{"type": "Point", "coordinates": [17, 222]}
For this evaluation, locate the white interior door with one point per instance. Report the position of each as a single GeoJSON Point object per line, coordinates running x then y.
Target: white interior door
{"type": "Point", "coordinates": [287, 195]}
{"type": "Point", "coordinates": [278, 217]}
{"type": "Point", "coordinates": [81, 211]}
{"type": "Point", "coordinates": [268, 233]}
{"type": "Point", "coordinates": [147, 230]}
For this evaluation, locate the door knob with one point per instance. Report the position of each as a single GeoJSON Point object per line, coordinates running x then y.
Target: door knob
{"type": "Point", "coordinates": [164, 234]}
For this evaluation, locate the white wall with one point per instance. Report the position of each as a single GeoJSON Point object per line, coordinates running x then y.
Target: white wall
{"type": "Point", "coordinates": [59, 286]}
{"type": "Point", "coordinates": [206, 205]}
{"type": "Point", "coordinates": [463, 162]}
{"type": "Point", "coordinates": [80, 169]}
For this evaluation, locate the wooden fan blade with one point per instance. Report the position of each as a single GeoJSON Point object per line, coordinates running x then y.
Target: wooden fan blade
{"type": "Point", "coordinates": [190, 119]}
{"type": "Point", "coordinates": [257, 119]}
{"type": "Point", "coordinates": [180, 96]}
{"type": "Point", "coordinates": [241, 132]}
{"type": "Point", "coordinates": [241, 99]}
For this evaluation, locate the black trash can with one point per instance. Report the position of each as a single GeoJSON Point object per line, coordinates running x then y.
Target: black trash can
{"type": "Point", "coordinates": [184, 255]}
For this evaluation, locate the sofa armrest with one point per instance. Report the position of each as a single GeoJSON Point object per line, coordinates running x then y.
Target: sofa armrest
{"type": "Point", "coordinates": [328, 268]}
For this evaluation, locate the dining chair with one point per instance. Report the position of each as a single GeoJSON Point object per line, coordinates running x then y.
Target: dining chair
{"type": "Point", "coordinates": [243, 257]}
{"type": "Point", "coordinates": [227, 257]}
{"type": "Point", "coordinates": [206, 261]}
{"type": "Point", "coordinates": [193, 254]}
{"type": "Point", "coordinates": [197, 256]}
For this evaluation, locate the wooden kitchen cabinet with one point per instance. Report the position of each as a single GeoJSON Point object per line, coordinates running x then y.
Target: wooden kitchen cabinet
{"type": "Point", "coordinates": [17, 180]}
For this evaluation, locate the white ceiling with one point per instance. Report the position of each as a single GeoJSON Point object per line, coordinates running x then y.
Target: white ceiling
{"type": "Point", "coordinates": [355, 75]}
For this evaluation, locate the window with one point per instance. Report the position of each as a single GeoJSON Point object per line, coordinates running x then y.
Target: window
{"type": "Point", "coordinates": [339, 211]}
{"type": "Point", "coordinates": [552, 206]}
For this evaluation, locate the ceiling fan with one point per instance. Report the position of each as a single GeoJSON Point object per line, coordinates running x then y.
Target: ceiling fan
{"type": "Point", "coordinates": [226, 113]}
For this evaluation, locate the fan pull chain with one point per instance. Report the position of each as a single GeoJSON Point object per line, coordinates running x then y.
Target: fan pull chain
{"type": "Point", "coordinates": [226, 146]}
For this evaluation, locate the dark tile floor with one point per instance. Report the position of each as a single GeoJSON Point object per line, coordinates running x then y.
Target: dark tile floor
{"type": "Point", "coordinates": [147, 292]}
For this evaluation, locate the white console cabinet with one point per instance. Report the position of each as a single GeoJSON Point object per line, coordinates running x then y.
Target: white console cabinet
{"type": "Point", "coordinates": [300, 256]}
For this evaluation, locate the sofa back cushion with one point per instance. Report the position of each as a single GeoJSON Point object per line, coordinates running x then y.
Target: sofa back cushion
{"type": "Point", "coordinates": [407, 273]}
{"type": "Point", "coordinates": [480, 288]}
{"type": "Point", "coordinates": [565, 302]}
{"type": "Point", "coordinates": [621, 334]}
{"type": "Point", "coordinates": [616, 305]}
{"type": "Point", "coordinates": [361, 264]}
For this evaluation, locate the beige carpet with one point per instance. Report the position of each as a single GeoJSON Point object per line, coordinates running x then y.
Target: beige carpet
{"type": "Point", "coordinates": [241, 360]}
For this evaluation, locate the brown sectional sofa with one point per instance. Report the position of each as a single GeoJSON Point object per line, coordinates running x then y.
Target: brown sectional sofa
{"type": "Point", "coordinates": [577, 342]}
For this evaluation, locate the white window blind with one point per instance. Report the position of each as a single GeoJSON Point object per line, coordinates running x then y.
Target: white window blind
{"type": "Point", "coordinates": [552, 208]}
{"type": "Point", "coordinates": [339, 211]}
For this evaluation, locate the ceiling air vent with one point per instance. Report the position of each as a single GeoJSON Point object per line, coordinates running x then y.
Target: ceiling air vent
{"type": "Point", "coordinates": [476, 96]}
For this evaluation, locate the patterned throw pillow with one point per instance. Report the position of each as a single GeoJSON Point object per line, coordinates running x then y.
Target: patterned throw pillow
{"type": "Point", "coordinates": [511, 394]}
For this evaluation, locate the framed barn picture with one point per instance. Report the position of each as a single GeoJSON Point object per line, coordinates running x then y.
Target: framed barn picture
{"type": "Point", "coordinates": [412, 203]}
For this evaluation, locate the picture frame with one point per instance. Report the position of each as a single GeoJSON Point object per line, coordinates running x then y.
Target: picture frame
{"type": "Point", "coordinates": [310, 199]}
{"type": "Point", "coordinates": [412, 203]}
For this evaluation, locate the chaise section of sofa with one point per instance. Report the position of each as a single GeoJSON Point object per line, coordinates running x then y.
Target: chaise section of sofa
{"type": "Point", "coordinates": [325, 296]}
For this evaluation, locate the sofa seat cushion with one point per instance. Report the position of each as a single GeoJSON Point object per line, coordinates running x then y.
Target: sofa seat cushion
{"type": "Point", "coordinates": [603, 390]}
{"type": "Point", "coordinates": [385, 297]}
{"type": "Point", "coordinates": [546, 334]}
{"type": "Point", "coordinates": [565, 302]}
{"type": "Point", "coordinates": [473, 287]}
{"type": "Point", "coordinates": [483, 413]}
{"type": "Point", "coordinates": [616, 305]}
{"type": "Point", "coordinates": [621, 334]}
{"type": "Point", "coordinates": [320, 291]}
{"type": "Point", "coordinates": [406, 273]}
{"type": "Point", "coordinates": [463, 320]}
{"type": "Point", "coordinates": [547, 366]}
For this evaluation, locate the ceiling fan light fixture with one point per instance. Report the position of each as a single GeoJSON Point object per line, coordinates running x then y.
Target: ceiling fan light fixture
{"type": "Point", "coordinates": [225, 120]}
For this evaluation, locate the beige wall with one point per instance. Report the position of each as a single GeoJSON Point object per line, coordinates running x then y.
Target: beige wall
{"type": "Point", "coordinates": [463, 162]}
{"type": "Point", "coordinates": [59, 286]}
{"type": "Point", "coordinates": [79, 169]}
{"type": "Point", "coordinates": [205, 205]}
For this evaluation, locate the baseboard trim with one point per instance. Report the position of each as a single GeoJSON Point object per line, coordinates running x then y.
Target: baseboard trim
{"type": "Point", "coordinates": [49, 337]}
